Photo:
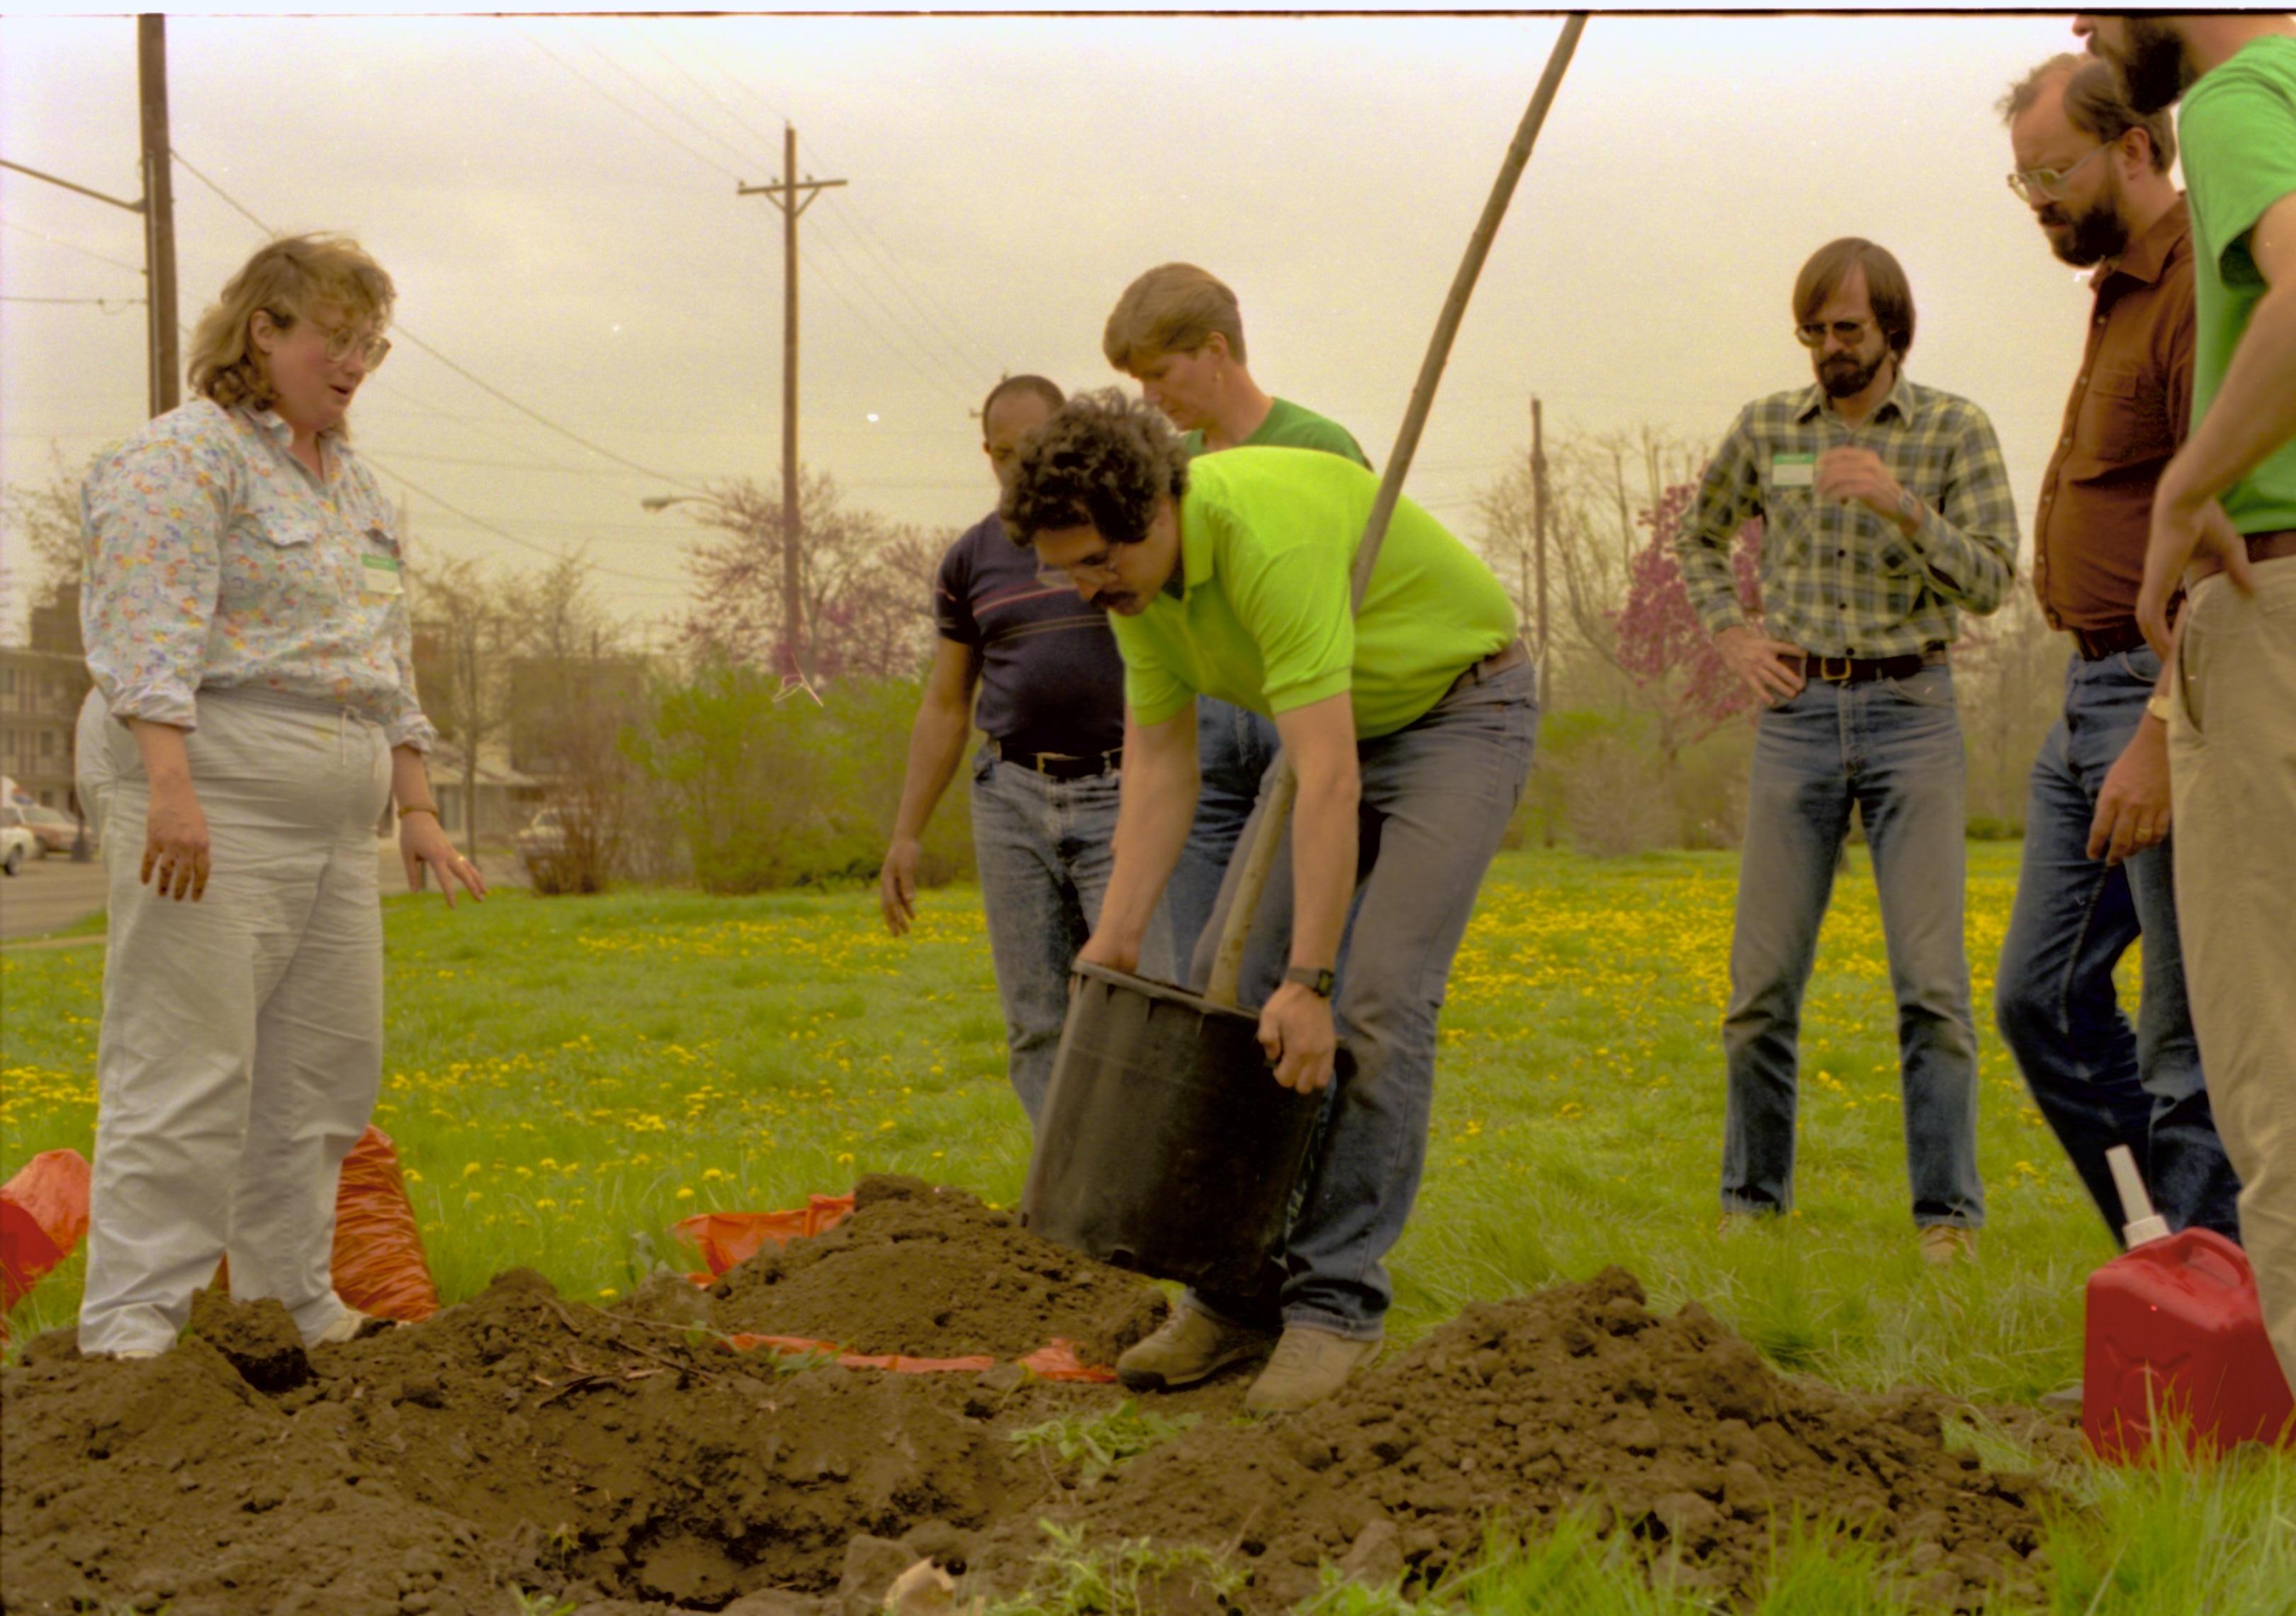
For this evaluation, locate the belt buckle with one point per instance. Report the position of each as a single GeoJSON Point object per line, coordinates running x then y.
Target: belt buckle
{"type": "Point", "coordinates": [1825, 669]}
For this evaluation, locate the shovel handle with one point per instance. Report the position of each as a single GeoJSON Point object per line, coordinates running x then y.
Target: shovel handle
{"type": "Point", "coordinates": [1276, 813]}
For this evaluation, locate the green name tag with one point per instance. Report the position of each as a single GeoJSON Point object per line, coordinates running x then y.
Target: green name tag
{"type": "Point", "coordinates": [1793, 471]}
{"type": "Point", "coordinates": [382, 575]}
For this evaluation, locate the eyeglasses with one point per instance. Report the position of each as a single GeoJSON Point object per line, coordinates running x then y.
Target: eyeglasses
{"type": "Point", "coordinates": [1098, 569]}
{"type": "Point", "coordinates": [1844, 331]}
{"type": "Point", "coordinates": [2048, 184]}
{"type": "Point", "coordinates": [342, 339]}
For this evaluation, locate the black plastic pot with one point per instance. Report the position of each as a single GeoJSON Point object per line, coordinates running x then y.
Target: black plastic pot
{"type": "Point", "coordinates": [1166, 1145]}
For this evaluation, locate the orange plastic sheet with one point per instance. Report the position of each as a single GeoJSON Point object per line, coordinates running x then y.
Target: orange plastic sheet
{"type": "Point", "coordinates": [43, 1216]}
{"type": "Point", "coordinates": [726, 1240]}
{"type": "Point", "coordinates": [378, 1260]}
{"type": "Point", "coordinates": [1057, 1361]}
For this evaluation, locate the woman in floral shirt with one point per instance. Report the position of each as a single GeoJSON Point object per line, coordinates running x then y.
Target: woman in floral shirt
{"type": "Point", "coordinates": [246, 624]}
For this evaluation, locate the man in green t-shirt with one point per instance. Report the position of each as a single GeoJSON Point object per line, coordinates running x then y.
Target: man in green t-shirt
{"type": "Point", "coordinates": [2224, 525]}
{"type": "Point", "coordinates": [1410, 727]}
{"type": "Point", "coordinates": [1179, 331]}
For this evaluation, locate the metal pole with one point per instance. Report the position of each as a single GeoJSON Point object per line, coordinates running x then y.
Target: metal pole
{"type": "Point", "coordinates": [1538, 524]}
{"type": "Point", "coordinates": [158, 212]}
{"type": "Point", "coordinates": [1227, 963]}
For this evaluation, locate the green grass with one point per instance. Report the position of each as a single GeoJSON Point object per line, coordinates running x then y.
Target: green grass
{"type": "Point", "coordinates": [1098, 1443]}
{"type": "Point", "coordinates": [568, 1077]}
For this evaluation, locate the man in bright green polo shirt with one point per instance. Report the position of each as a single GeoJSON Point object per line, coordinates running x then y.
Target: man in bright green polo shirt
{"type": "Point", "coordinates": [1410, 727]}
{"type": "Point", "coordinates": [2224, 525]}
{"type": "Point", "coordinates": [1179, 331]}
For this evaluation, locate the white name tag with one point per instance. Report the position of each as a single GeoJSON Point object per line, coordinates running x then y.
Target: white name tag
{"type": "Point", "coordinates": [1793, 471]}
{"type": "Point", "coordinates": [382, 575]}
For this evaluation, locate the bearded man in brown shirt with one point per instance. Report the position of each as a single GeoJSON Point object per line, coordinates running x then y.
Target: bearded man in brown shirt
{"type": "Point", "coordinates": [2097, 856]}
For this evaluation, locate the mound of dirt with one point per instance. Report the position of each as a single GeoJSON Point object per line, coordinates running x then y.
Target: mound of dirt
{"type": "Point", "coordinates": [1671, 1430]}
{"type": "Point", "coordinates": [931, 1272]}
{"type": "Point", "coordinates": [627, 1462]}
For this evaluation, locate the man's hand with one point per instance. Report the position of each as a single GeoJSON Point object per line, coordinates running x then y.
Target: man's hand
{"type": "Point", "coordinates": [2183, 529]}
{"type": "Point", "coordinates": [1858, 477]}
{"type": "Point", "coordinates": [421, 842]}
{"type": "Point", "coordinates": [897, 884]}
{"type": "Point", "coordinates": [1295, 1029]}
{"type": "Point", "coordinates": [2132, 810]}
{"type": "Point", "coordinates": [175, 842]}
{"type": "Point", "coordinates": [1104, 948]}
{"type": "Point", "coordinates": [1755, 659]}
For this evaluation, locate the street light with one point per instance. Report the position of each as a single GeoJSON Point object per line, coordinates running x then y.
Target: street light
{"type": "Point", "coordinates": [792, 579]}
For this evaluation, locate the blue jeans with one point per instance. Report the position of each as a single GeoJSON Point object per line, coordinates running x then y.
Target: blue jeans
{"type": "Point", "coordinates": [1043, 848]}
{"type": "Point", "coordinates": [2099, 1082]}
{"type": "Point", "coordinates": [1436, 797]}
{"type": "Point", "coordinates": [1892, 748]}
{"type": "Point", "coordinates": [1234, 746]}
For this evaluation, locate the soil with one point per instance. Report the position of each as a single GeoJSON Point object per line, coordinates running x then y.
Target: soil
{"type": "Point", "coordinates": [623, 1461]}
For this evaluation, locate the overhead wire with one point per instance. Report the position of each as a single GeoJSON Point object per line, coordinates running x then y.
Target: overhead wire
{"type": "Point", "coordinates": [877, 331]}
{"type": "Point", "coordinates": [611, 98]}
{"type": "Point", "coordinates": [502, 533]}
{"type": "Point", "coordinates": [468, 375]}
{"type": "Point", "coordinates": [671, 107]}
{"type": "Point", "coordinates": [87, 251]}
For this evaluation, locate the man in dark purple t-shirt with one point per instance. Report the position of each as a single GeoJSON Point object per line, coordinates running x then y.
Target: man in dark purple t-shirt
{"type": "Point", "coordinates": [1050, 698]}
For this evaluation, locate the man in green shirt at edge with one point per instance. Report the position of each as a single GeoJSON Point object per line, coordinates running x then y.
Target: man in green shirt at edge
{"type": "Point", "coordinates": [1179, 331]}
{"type": "Point", "coordinates": [2223, 524]}
{"type": "Point", "coordinates": [1411, 729]}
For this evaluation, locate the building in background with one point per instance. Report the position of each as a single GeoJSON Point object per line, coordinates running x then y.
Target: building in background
{"type": "Point", "coordinates": [41, 687]}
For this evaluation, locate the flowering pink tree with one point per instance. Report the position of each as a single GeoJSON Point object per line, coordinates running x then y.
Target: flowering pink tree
{"type": "Point", "coordinates": [1662, 645]}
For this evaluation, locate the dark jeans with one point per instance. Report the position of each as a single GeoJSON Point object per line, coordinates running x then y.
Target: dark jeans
{"type": "Point", "coordinates": [1045, 849]}
{"type": "Point", "coordinates": [1891, 748]}
{"type": "Point", "coordinates": [1234, 747]}
{"type": "Point", "coordinates": [2098, 1081]}
{"type": "Point", "coordinates": [1436, 797]}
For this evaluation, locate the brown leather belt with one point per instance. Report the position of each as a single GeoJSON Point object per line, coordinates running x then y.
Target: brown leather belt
{"type": "Point", "coordinates": [1059, 766]}
{"type": "Point", "coordinates": [2096, 644]}
{"type": "Point", "coordinates": [1512, 655]}
{"type": "Point", "coordinates": [1857, 670]}
{"type": "Point", "coordinates": [2262, 548]}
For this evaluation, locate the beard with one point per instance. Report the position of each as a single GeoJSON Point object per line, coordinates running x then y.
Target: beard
{"type": "Point", "coordinates": [2091, 235]}
{"type": "Point", "coordinates": [2156, 68]}
{"type": "Point", "coordinates": [1846, 375]}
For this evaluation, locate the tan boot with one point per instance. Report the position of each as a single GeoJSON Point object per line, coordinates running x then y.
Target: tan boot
{"type": "Point", "coordinates": [1188, 1346]}
{"type": "Point", "coordinates": [1310, 1364]}
{"type": "Point", "coordinates": [1943, 1244]}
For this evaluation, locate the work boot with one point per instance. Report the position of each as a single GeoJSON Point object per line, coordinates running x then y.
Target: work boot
{"type": "Point", "coordinates": [1310, 1364]}
{"type": "Point", "coordinates": [1943, 1244]}
{"type": "Point", "coordinates": [1185, 1348]}
{"type": "Point", "coordinates": [354, 1326]}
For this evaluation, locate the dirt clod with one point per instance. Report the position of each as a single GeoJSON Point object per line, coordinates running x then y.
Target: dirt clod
{"type": "Point", "coordinates": [257, 1338]}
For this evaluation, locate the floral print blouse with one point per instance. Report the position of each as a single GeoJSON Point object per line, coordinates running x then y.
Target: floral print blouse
{"type": "Point", "coordinates": [215, 561]}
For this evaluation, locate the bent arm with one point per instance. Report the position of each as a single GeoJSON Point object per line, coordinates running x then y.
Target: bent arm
{"type": "Point", "coordinates": [1321, 738]}
{"type": "Point", "coordinates": [1968, 542]}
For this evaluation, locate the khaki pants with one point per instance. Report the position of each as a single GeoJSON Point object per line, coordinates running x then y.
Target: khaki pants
{"type": "Point", "coordinates": [241, 1046]}
{"type": "Point", "coordinates": [2232, 748]}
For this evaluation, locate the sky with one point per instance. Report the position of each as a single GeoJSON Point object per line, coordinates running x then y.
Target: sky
{"type": "Point", "coordinates": [556, 199]}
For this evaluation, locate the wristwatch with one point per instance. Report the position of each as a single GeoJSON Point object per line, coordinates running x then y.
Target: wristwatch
{"type": "Point", "coordinates": [1316, 982]}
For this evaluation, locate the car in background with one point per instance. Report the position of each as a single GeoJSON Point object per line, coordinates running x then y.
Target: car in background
{"type": "Point", "coordinates": [18, 845]}
{"type": "Point", "coordinates": [544, 838]}
{"type": "Point", "coordinates": [56, 830]}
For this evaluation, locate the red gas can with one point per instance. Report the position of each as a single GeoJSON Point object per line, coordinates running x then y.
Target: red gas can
{"type": "Point", "coordinates": [2175, 1334]}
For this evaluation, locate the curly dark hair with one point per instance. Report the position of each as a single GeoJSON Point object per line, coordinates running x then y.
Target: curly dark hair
{"type": "Point", "coordinates": [1100, 461]}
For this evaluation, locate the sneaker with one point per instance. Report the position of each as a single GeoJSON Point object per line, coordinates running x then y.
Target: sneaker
{"type": "Point", "coordinates": [1310, 1364]}
{"type": "Point", "coordinates": [354, 1326]}
{"type": "Point", "coordinates": [2062, 1398]}
{"type": "Point", "coordinates": [1943, 1244]}
{"type": "Point", "coordinates": [1185, 1348]}
{"type": "Point", "coordinates": [126, 1355]}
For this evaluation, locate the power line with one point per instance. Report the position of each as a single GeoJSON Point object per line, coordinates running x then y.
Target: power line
{"type": "Point", "coordinates": [966, 364]}
{"type": "Point", "coordinates": [616, 101]}
{"type": "Point", "coordinates": [675, 110]}
{"type": "Point", "coordinates": [504, 533]}
{"type": "Point", "coordinates": [110, 306]}
{"type": "Point", "coordinates": [474, 380]}
{"type": "Point", "coordinates": [907, 355]}
{"type": "Point", "coordinates": [60, 241]}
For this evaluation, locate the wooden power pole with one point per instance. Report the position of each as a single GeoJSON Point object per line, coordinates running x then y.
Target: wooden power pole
{"type": "Point", "coordinates": [793, 196]}
{"type": "Point", "coordinates": [158, 212]}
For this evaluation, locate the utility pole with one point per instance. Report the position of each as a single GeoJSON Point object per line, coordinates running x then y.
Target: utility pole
{"type": "Point", "coordinates": [159, 211]}
{"type": "Point", "coordinates": [793, 196]}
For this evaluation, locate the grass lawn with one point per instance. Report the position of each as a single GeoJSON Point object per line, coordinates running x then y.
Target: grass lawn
{"type": "Point", "coordinates": [566, 1078]}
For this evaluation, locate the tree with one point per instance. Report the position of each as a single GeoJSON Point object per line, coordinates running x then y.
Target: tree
{"type": "Point", "coordinates": [1663, 646]}
{"type": "Point", "coordinates": [41, 553]}
{"type": "Point", "coordinates": [467, 634]}
{"type": "Point", "coordinates": [867, 583]}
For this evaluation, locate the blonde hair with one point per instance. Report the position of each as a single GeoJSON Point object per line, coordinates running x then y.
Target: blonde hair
{"type": "Point", "coordinates": [286, 279]}
{"type": "Point", "coordinates": [1172, 309]}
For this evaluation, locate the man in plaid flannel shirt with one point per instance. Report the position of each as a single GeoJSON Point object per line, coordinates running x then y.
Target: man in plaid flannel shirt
{"type": "Point", "coordinates": [1887, 513]}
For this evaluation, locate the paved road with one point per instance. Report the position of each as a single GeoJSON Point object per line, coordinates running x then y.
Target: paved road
{"type": "Point", "coordinates": [48, 894]}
